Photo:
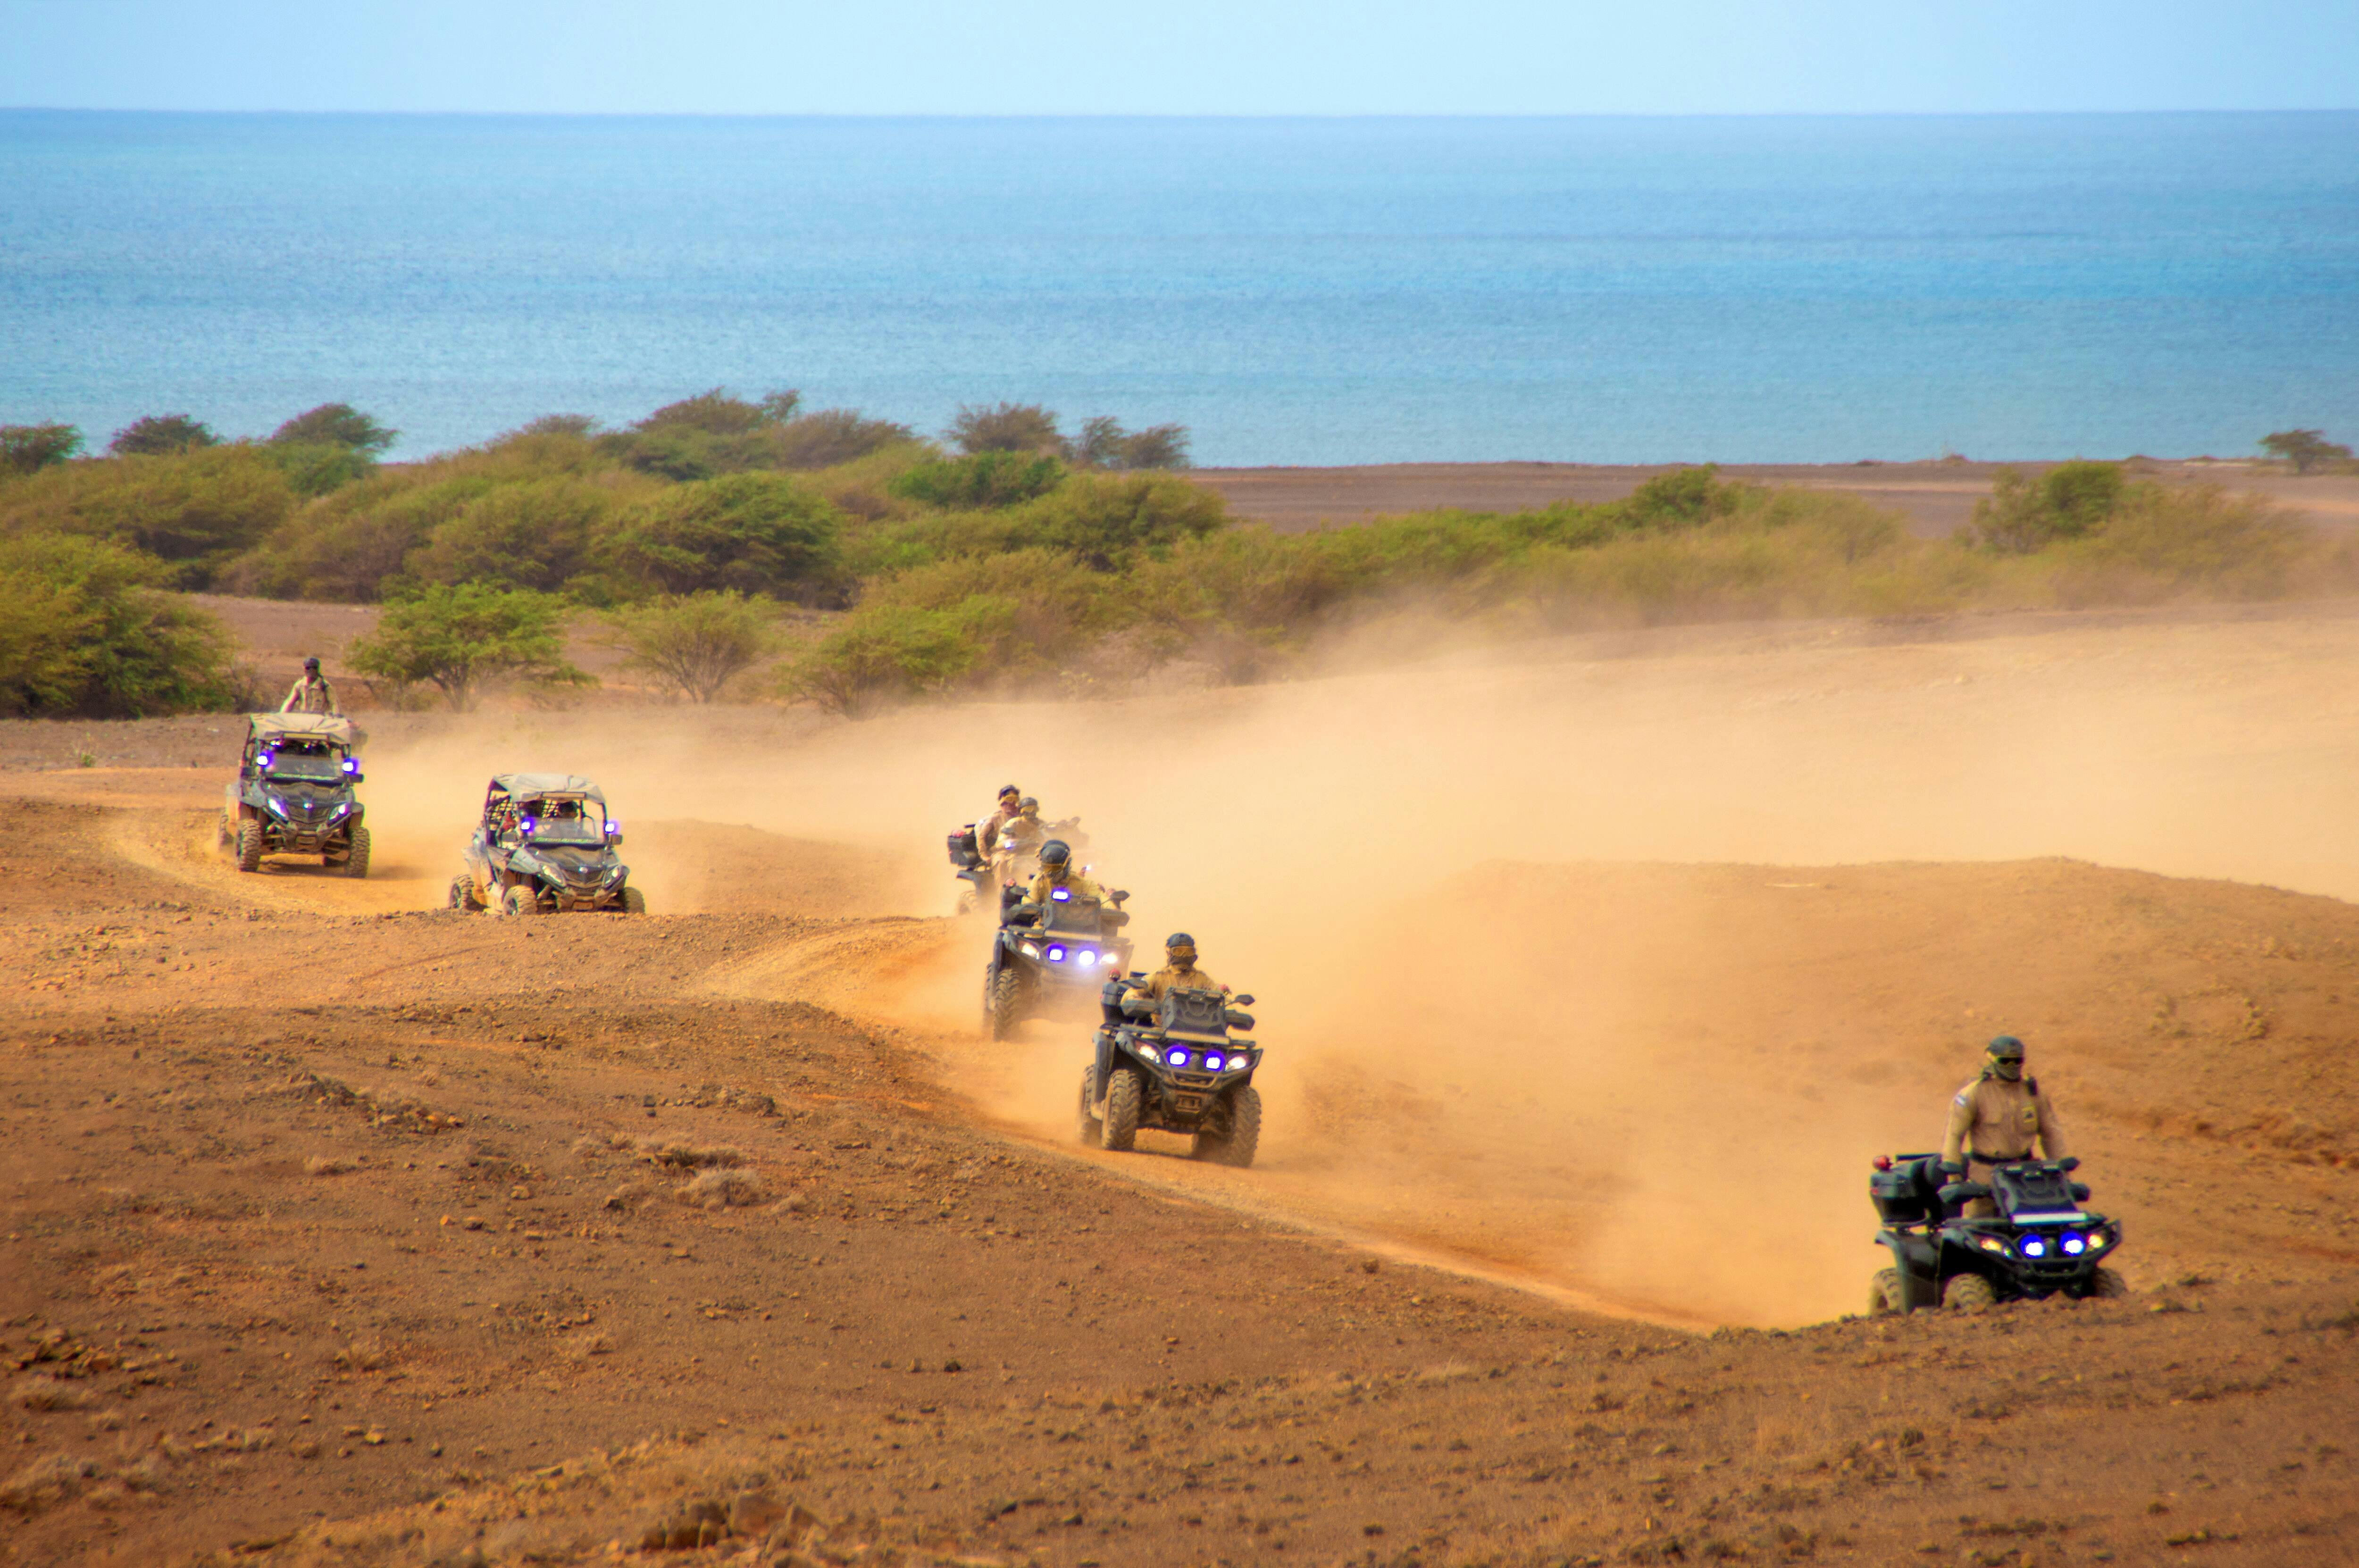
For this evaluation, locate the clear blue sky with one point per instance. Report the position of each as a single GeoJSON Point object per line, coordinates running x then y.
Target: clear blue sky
{"type": "Point", "coordinates": [1212, 56]}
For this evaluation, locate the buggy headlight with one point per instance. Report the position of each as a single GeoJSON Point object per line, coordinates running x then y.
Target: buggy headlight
{"type": "Point", "coordinates": [1991, 1244]}
{"type": "Point", "coordinates": [278, 806]}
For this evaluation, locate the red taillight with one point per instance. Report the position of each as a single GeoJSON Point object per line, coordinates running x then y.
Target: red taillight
{"type": "Point", "coordinates": [1884, 1162]}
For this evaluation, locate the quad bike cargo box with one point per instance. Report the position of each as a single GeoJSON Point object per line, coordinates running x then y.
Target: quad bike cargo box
{"type": "Point", "coordinates": [1908, 1193]}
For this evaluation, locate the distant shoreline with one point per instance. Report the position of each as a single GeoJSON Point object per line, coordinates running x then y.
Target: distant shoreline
{"type": "Point", "coordinates": [1937, 495]}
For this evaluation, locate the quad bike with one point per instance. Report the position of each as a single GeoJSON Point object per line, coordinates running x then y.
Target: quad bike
{"type": "Point", "coordinates": [1171, 1065]}
{"type": "Point", "coordinates": [1010, 861]}
{"type": "Point", "coordinates": [545, 845]}
{"type": "Point", "coordinates": [2039, 1243]}
{"type": "Point", "coordinates": [1045, 956]}
{"type": "Point", "coordinates": [294, 793]}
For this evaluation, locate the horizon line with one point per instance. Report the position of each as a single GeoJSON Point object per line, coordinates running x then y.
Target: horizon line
{"type": "Point", "coordinates": [1080, 114]}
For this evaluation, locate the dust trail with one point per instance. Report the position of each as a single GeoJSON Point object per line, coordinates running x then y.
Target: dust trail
{"type": "Point", "coordinates": [1578, 1078]}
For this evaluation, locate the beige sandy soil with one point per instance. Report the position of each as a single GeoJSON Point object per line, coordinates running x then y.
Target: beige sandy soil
{"type": "Point", "coordinates": [343, 1229]}
{"type": "Point", "coordinates": [1936, 497]}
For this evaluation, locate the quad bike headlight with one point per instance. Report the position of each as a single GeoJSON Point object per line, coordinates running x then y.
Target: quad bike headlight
{"type": "Point", "coordinates": [1029, 949]}
{"type": "Point", "coordinates": [2033, 1247]}
{"type": "Point", "coordinates": [1177, 1057]}
{"type": "Point", "coordinates": [2075, 1245]}
{"type": "Point", "coordinates": [1151, 1054]}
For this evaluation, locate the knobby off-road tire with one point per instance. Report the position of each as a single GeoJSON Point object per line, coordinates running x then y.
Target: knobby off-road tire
{"type": "Point", "coordinates": [2107, 1286]}
{"type": "Point", "coordinates": [1969, 1292]}
{"type": "Point", "coordinates": [462, 896]}
{"type": "Point", "coordinates": [357, 863]}
{"type": "Point", "coordinates": [1242, 1138]}
{"type": "Point", "coordinates": [1003, 994]}
{"type": "Point", "coordinates": [634, 902]}
{"type": "Point", "coordinates": [1886, 1294]}
{"type": "Point", "coordinates": [520, 902]}
{"type": "Point", "coordinates": [1121, 1128]}
{"type": "Point", "coordinates": [1086, 1126]}
{"type": "Point", "coordinates": [249, 845]}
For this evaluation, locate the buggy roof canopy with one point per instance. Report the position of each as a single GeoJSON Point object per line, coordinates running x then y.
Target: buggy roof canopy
{"type": "Point", "coordinates": [328, 727]}
{"type": "Point", "coordinates": [522, 785]}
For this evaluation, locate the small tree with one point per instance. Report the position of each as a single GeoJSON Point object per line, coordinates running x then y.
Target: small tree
{"type": "Point", "coordinates": [84, 630]}
{"type": "Point", "coordinates": [460, 636]}
{"type": "Point", "coordinates": [880, 652]}
{"type": "Point", "coordinates": [335, 425]}
{"type": "Point", "coordinates": [2307, 451]}
{"type": "Point", "coordinates": [696, 644]}
{"type": "Point", "coordinates": [1105, 444]}
{"type": "Point", "coordinates": [24, 447]}
{"type": "Point", "coordinates": [1007, 428]}
{"type": "Point", "coordinates": [161, 435]}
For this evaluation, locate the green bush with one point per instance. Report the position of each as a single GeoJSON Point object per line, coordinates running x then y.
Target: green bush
{"type": "Point", "coordinates": [1105, 519]}
{"type": "Point", "coordinates": [84, 631]}
{"type": "Point", "coordinates": [2070, 501]}
{"type": "Point", "coordinates": [713, 434]}
{"type": "Point", "coordinates": [539, 533]}
{"type": "Point", "coordinates": [695, 645]}
{"type": "Point", "coordinates": [979, 480]}
{"type": "Point", "coordinates": [160, 435]}
{"type": "Point", "coordinates": [316, 468]}
{"type": "Point", "coordinates": [193, 511]}
{"type": "Point", "coordinates": [831, 436]}
{"type": "Point", "coordinates": [27, 448]}
{"type": "Point", "coordinates": [755, 532]}
{"type": "Point", "coordinates": [460, 637]}
{"type": "Point", "coordinates": [880, 654]}
{"type": "Point", "coordinates": [2167, 541]}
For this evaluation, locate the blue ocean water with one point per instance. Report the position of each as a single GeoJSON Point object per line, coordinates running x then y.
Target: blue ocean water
{"type": "Point", "coordinates": [1296, 291]}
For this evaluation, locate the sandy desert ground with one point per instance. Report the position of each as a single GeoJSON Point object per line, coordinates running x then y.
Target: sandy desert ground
{"type": "Point", "coordinates": [343, 1229]}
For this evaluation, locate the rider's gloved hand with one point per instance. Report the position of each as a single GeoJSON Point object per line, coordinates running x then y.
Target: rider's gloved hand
{"type": "Point", "coordinates": [1953, 1170]}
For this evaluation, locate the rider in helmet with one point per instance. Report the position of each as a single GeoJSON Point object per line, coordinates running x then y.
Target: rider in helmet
{"type": "Point", "coordinates": [1178, 973]}
{"type": "Point", "coordinates": [1996, 1119]}
{"type": "Point", "coordinates": [1058, 879]}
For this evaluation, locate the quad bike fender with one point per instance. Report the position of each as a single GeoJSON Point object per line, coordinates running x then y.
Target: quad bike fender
{"type": "Point", "coordinates": [1918, 1262]}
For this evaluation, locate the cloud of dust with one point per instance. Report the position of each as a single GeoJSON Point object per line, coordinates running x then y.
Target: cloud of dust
{"type": "Point", "coordinates": [1553, 1077]}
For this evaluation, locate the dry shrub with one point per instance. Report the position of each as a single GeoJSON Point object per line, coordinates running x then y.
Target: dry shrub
{"type": "Point", "coordinates": [724, 1189]}
{"type": "Point", "coordinates": [687, 1156]}
{"type": "Point", "coordinates": [50, 1394]}
{"type": "Point", "coordinates": [45, 1483]}
{"type": "Point", "coordinates": [328, 1165]}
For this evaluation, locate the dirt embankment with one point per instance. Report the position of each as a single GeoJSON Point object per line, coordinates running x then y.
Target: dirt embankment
{"type": "Point", "coordinates": [345, 1230]}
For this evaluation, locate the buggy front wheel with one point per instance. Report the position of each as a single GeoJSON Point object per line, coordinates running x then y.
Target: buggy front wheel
{"type": "Point", "coordinates": [634, 902]}
{"type": "Point", "coordinates": [520, 902]}
{"type": "Point", "coordinates": [249, 845]}
{"type": "Point", "coordinates": [356, 862]}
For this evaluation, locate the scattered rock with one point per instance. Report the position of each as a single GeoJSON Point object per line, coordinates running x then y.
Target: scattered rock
{"type": "Point", "coordinates": [687, 1156]}
{"type": "Point", "coordinates": [629, 1196]}
{"type": "Point", "coordinates": [45, 1483]}
{"type": "Point", "coordinates": [328, 1165]}
{"type": "Point", "coordinates": [50, 1394]}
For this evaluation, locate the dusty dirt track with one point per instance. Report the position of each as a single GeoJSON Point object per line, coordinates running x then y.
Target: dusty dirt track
{"type": "Point", "coordinates": [343, 1231]}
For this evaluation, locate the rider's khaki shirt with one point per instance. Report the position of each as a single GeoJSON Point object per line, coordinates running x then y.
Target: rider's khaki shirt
{"type": "Point", "coordinates": [1166, 979]}
{"type": "Point", "coordinates": [1994, 1117]}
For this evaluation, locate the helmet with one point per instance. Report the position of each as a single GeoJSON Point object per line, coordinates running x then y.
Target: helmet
{"type": "Point", "coordinates": [1180, 947]}
{"type": "Point", "coordinates": [312, 665]}
{"type": "Point", "coordinates": [2005, 1054]}
{"type": "Point", "coordinates": [1055, 854]}
{"type": "Point", "coordinates": [1029, 807]}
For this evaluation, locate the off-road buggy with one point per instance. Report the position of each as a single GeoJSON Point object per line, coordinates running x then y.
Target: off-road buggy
{"type": "Point", "coordinates": [1012, 860]}
{"type": "Point", "coordinates": [1172, 1065]}
{"type": "Point", "coordinates": [545, 845]}
{"type": "Point", "coordinates": [1046, 957]}
{"type": "Point", "coordinates": [294, 793]}
{"type": "Point", "coordinates": [2040, 1242]}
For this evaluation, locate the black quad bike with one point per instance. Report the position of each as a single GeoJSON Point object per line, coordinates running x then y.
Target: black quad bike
{"type": "Point", "coordinates": [294, 793]}
{"type": "Point", "coordinates": [1047, 957]}
{"type": "Point", "coordinates": [2040, 1242]}
{"type": "Point", "coordinates": [545, 845]}
{"type": "Point", "coordinates": [1171, 1065]}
